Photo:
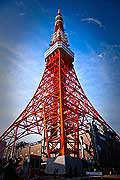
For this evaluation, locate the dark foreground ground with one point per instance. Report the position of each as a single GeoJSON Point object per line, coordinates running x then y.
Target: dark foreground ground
{"type": "Point", "coordinates": [105, 177]}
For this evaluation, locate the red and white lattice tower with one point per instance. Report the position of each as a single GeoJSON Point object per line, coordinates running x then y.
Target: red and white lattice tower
{"type": "Point", "coordinates": [60, 107]}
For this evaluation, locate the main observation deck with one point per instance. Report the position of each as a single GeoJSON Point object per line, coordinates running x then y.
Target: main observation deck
{"type": "Point", "coordinates": [58, 45]}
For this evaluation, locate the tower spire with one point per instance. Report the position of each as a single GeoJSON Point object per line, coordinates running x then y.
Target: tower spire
{"type": "Point", "coordinates": [58, 11]}
{"type": "Point", "coordinates": [59, 35]}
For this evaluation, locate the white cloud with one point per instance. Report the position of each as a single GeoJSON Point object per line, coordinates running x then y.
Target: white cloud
{"type": "Point", "coordinates": [21, 14]}
{"type": "Point", "coordinates": [93, 20]}
{"type": "Point", "coordinates": [20, 70]}
{"type": "Point", "coordinates": [110, 52]}
{"type": "Point", "coordinates": [101, 55]}
{"type": "Point", "coordinates": [115, 45]}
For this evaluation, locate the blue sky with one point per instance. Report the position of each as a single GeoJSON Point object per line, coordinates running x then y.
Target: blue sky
{"type": "Point", "coordinates": [92, 28]}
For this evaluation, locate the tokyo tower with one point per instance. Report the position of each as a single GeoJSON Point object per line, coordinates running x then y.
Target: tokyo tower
{"type": "Point", "coordinates": [61, 109]}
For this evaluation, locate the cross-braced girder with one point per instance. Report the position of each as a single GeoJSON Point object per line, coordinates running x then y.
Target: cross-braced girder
{"type": "Point", "coordinates": [61, 108]}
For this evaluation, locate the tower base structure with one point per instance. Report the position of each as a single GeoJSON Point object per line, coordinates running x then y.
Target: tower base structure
{"type": "Point", "coordinates": [64, 165]}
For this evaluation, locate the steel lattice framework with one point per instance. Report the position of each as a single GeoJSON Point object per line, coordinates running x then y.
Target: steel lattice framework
{"type": "Point", "coordinates": [59, 106]}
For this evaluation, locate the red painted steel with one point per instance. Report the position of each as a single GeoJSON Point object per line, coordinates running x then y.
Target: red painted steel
{"type": "Point", "coordinates": [60, 107]}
